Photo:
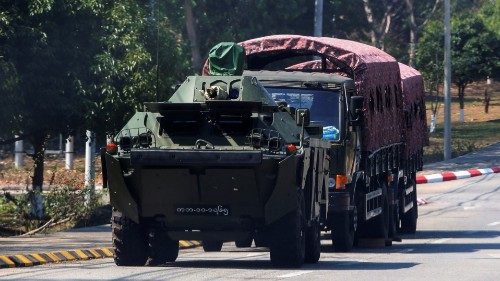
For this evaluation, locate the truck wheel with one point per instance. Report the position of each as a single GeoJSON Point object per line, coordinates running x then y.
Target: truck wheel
{"type": "Point", "coordinates": [344, 227]}
{"type": "Point", "coordinates": [244, 243]}
{"type": "Point", "coordinates": [129, 241]}
{"type": "Point", "coordinates": [288, 237]}
{"type": "Point", "coordinates": [260, 240]}
{"type": "Point", "coordinates": [162, 249]}
{"type": "Point", "coordinates": [212, 246]}
{"type": "Point", "coordinates": [409, 219]}
{"type": "Point", "coordinates": [378, 227]}
{"type": "Point", "coordinates": [313, 243]}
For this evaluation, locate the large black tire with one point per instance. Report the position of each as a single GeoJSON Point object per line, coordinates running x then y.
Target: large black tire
{"type": "Point", "coordinates": [162, 249]}
{"type": "Point", "coordinates": [344, 228]}
{"type": "Point", "coordinates": [313, 243]}
{"type": "Point", "coordinates": [212, 246]}
{"type": "Point", "coordinates": [289, 236]}
{"type": "Point", "coordinates": [260, 239]}
{"type": "Point", "coordinates": [129, 241]}
{"type": "Point", "coordinates": [409, 219]}
{"type": "Point", "coordinates": [246, 243]}
{"type": "Point", "coordinates": [378, 227]}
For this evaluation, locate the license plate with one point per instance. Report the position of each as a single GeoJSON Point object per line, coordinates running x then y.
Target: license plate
{"type": "Point", "coordinates": [202, 210]}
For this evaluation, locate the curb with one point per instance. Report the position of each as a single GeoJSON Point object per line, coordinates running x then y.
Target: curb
{"type": "Point", "coordinates": [27, 260]}
{"type": "Point", "coordinates": [449, 176]}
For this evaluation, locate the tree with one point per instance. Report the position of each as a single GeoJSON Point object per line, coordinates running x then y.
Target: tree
{"type": "Point", "coordinates": [49, 52]}
{"type": "Point", "coordinates": [473, 56]}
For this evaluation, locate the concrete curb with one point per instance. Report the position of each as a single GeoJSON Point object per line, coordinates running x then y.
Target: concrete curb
{"type": "Point", "coordinates": [27, 260]}
{"type": "Point", "coordinates": [449, 176]}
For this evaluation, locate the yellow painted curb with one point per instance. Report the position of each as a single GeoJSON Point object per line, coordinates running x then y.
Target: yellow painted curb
{"type": "Point", "coordinates": [26, 260]}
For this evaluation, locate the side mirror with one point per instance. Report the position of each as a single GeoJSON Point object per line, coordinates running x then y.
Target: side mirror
{"type": "Point", "coordinates": [356, 110]}
{"type": "Point", "coordinates": [302, 117]}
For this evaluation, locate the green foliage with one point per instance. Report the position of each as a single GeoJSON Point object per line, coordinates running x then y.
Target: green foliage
{"type": "Point", "coordinates": [65, 202]}
{"type": "Point", "coordinates": [474, 49]}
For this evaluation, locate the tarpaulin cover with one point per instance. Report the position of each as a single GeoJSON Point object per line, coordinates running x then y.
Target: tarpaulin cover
{"type": "Point", "coordinates": [226, 58]}
{"type": "Point", "coordinates": [375, 73]}
{"type": "Point", "coordinates": [412, 84]}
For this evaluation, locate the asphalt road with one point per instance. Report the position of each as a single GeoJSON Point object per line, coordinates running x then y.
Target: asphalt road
{"type": "Point", "coordinates": [458, 239]}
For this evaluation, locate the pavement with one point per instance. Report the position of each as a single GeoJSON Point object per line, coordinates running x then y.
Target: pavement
{"type": "Point", "coordinates": [75, 244]}
{"type": "Point", "coordinates": [485, 158]}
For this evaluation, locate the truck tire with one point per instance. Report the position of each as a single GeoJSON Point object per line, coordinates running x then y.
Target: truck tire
{"type": "Point", "coordinates": [244, 243]}
{"type": "Point", "coordinates": [344, 230]}
{"type": "Point", "coordinates": [378, 227]}
{"type": "Point", "coordinates": [313, 243]}
{"type": "Point", "coordinates": [212, 246]}
{"type": "Point", "coordinates": [409, 219]}
{"type": "Point", "coordinates": [162, 249]}
{"type": "Point", "coordinates": [129, 241]}
{"type": "Point", "coordinates": [289, 236]}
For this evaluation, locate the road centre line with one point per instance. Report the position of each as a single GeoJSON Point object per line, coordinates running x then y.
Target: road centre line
{"type": "Point", "coordinates": [494, 223]}
{"type": "Point", "coordinates": [294, 274]}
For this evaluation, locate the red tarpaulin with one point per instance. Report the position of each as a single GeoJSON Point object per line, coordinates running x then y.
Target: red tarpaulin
{"type": "Point", "coordinates": [375, 73]}
{"type": "Point", "coordinates": [412, 84]}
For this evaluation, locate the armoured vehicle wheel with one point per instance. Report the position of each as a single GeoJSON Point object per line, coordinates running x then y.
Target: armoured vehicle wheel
{"type": "Point", "coordinates": [244, 243]}
{"type": "Point", "coordinates": [344, 231]}
{"type": "Point", "coordinates": [313, 243]}
{"type": "Point", "coordinates": [162, 249]}
{"type": "Point", "coordinates": [212, 246]}
{"type": "Point", "coordinates": [409, 220]}
{"type": "Point", "coordinates": [260, 240]}
{"type": "Point", "coordinates": [129, 241]}
{"type": "Point", "coordinates": [288, 237]}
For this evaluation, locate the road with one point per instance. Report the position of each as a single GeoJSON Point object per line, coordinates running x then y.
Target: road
{"type": "Point", "coordinates": [458, 239]}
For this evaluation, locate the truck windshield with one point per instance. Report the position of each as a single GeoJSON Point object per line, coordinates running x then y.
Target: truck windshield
{"type": "Point", "coordinates": [322, 104]}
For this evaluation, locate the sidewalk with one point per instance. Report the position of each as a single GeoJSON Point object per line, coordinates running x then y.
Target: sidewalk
{"type": "Point", "coordinates": [79, 238]}
{"type": "Point", "coordinates": [485, 158]}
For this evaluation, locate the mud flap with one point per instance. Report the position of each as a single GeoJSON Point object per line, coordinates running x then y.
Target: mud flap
{"type": "Point", "coordinates": [283, 200]}
{"type": "Point", "coordinates": [118, 193]}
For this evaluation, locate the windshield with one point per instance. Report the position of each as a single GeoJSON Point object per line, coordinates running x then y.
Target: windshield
{"type": "Point", "coordinates": [322, 104]}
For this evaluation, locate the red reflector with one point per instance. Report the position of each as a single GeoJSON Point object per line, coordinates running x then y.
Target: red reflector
{"type": "Point", "coordinates": [291, 148]}
{"type": "Point", "coordinates": [111, 148]}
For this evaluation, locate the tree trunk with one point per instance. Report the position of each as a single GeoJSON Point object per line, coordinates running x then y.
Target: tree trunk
{"type": "Point", "coordinates": [413, 32]}
{"type": "Point", "coordinates": [379, 28]}
{"type": "Point", "coordinates": [36, 200]}
{"type": "Point", "coordinates": [433, 123]}
{"type": "Point", "coordinates": [193, 36]}
{"type": "Point", "coordinates": [461, 91]}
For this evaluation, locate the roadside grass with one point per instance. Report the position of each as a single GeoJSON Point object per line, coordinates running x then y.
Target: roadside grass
{"type": "Point", "coordinates": [466, 138]}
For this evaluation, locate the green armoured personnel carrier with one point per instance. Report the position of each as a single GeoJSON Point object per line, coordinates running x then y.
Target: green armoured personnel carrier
{"type": "Point", "coordinates": [219, 161]}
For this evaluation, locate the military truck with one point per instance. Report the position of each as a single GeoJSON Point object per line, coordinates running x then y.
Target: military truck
{"type": "Point", "coordinates": [219, 161]}
{"type": "Point", "coordinates": [370, 110]}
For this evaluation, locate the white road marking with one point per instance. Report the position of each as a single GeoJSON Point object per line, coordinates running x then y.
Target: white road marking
{"type": "Point", "coordinates": [294, 274]}
{"type": "Point", "coordinates": [469, 207]}
{"type": "Point", "coordinates": [440, 241]}
{"type": "Point", "coordinates": [494, 223]}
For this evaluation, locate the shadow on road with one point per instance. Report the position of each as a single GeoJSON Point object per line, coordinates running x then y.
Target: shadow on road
{"type": "Point", "coordinates": [321, 265]}
{"type": "Point", "coordinates": [429, 234]}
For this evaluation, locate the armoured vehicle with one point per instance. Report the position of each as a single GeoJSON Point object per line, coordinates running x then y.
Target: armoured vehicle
{"type": "Point", "coordinates": [370, 110]}
{"type": "Point", "coordinates": [220, 161]}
